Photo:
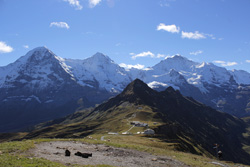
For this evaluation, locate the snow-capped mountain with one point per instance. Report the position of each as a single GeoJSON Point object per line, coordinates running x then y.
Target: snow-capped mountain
{"type": "Point", "coordinates": [196, 74]}
{"type": "Point", "coordinates": [99, 71]}
{"type": "Point", "coordinates": [41, 85]}
{"type": "Point", "coordinates": [240, 76]}
{"type": "Point", "coordinates": [228, 91]}
{"type": "Point", "coordinates": [38, 69]}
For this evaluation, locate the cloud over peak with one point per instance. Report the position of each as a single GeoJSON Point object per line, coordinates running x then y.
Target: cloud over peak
{"type": "Point", "coordinates": [147, 54]}
{"type": "Point", "coordinates": [169, 28]}
{"type": "Point", "coordinates": [129, 66]}
{"type": "Point", "coordinates": [143, 54]}
{"type": "Point", "coordinates": [4, 48]}
{"type": "Point", "coordinates": [59, 25]}
{"type": "Point", "coordinates": [225, 64]}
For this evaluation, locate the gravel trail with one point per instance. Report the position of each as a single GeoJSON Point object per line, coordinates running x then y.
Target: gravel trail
{"type": "Point", "coordinates": [101, 154]}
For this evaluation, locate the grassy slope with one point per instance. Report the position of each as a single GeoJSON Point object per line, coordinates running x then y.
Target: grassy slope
{"type": "Point", "coordinates": [115, 117]}
{"type": "Point", "coordinates": [247, 135]}
{"type": "Point", "coordinates": [14, 152]}
{"type": "Point", "coordinates": [118, 121]}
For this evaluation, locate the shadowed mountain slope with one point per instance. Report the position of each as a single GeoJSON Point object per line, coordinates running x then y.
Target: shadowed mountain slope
{"type": "Point", "coordinates": [194, 126]}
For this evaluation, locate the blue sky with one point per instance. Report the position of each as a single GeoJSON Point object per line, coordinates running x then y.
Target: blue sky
{"type": "Point", "coordinates": [131, 32]}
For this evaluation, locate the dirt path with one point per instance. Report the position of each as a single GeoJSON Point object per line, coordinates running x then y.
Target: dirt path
{"type": "Point", "coordinates": [101, 154]}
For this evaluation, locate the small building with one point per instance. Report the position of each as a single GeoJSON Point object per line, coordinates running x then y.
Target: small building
{"type": "Point", "coordinates": [134, 122]}
{"type": "Point", "coordinates": [139, 124]}
{"type": "Point", "coordinates": [112, 133]}
{"type": "Point", "coordinates": [142, 125]}
{"type": "Point", "coordinates": [149, 132]}
{"type": "Point", "coordinates": [126, 133]}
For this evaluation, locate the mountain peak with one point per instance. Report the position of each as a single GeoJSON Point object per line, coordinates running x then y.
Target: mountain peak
{"type": "Point", "coordinates": [137, 83]}
{"type": "Point", "coordinates": [171, 91]}
{"type": "Point", "coordinates": [100, 56]}
{"type": "Point", "coordinates": [40, 48]}
{"type": "Point", "coordinates": [176, 57]}
{"type": "Point", "coordinates": [176, 62]}
{"type": "Point", "coordinates": [39, 53]}
{"type": "Point", "coordinates": [138, 88]}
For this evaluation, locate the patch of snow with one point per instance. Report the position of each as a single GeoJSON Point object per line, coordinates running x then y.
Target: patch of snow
{"type": "Point", "coordinates": [23, 81]}
{"type": "Point", "coordinates": [14, 97]}
{"type": "Point", "coordinates": [102, 69]}
{"type": "Point", "coordinates": [30, 98]}
{"type": "Point", "coordinates": [37, 98]}
{"type": "Point", "coordinates": [156, 84]}
{"type": "Point", "coordinates": [241, 77]}
{"type": "Point", "coordinates": [218, 163]}
{"type": "Point", "coordinates": [27, 99]}
{"type": "Point", "coordinates": [49, 101]}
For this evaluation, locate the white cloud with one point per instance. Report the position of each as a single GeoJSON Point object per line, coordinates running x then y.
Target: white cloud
{"type": "Point", "coordinates": [166, 3]}
{"type": "Point", "coordinates": [74, 3]}
{"type": "Point", "coordinates": [59, 24]}
{"type": "Point", "coordinates": [212, 37]}
{"type": "Point", "coordinates": [196, 52]}
{"type": "Point", "coordinates": [129, 66]}
{"type": "Point", "coordinates": [230, 64]}
{"type": "Point", "coordinates": [225, 64]}
{"type": "Point", "coordinates": [160, 55]}
{"type": "Point", "coordinates": [93, 3]}
{"type": "Point", "coordinates": [209, 35]}
{"type": "Point", "coordinates": [26, 46]}
{"type": "Point", "coordinates": [143, 54]}
{"type": "Point", "coordinates": [248, 61]}
{"type": "Point", "coordinates": [4, 48]}
{"type": "Point", "coordinates": [169, 28]}
{"type": "Point", "coordinates": [191, 35]}
{"type": "Point", "coordinates": [118, 44]}
{"type": "Point", "coordinates": [147, 54]}
{"type": "Point", "coordinates": [219, 62]}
